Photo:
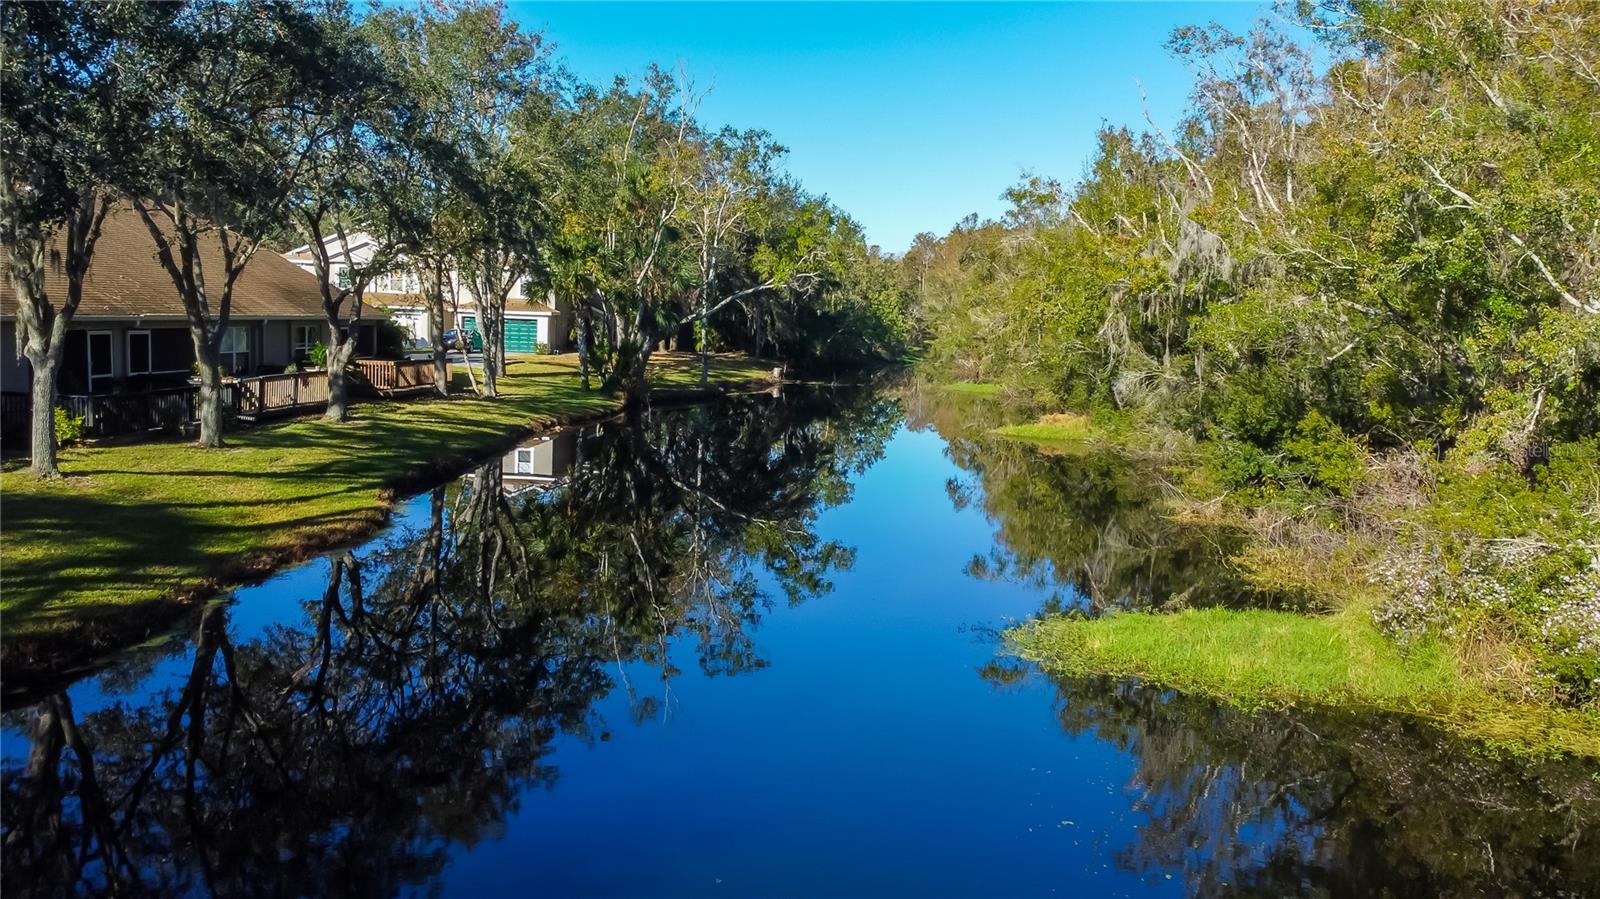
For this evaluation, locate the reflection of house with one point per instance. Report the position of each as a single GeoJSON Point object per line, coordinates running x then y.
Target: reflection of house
{"type": "Point", "coordinates": [530, 321]}
{"type": "Point", "coordinates": [537, 464]}
{"type": "Point", "coordinates": [130, 329]}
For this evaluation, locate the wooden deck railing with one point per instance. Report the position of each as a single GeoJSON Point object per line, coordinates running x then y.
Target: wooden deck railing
{"type": "Point", "coordinates": [115, 415]}
{"type": "Point", "coordinates": [112, 415]}
{"type": "Point", "coordinates": [391, 376]}
{"type": "Point", "coordinates": [14, 424]}
{"type": "Point", "coordinates": [268, 394]}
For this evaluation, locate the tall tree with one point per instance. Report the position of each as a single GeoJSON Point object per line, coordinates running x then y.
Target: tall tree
{"type": "Point", "coordinates": [462, 210]}
{"type": "Point", "coordinates": [223, 158]}
{"type": "Point", "coordinates": [727, 176]}
{"type": "Point", "coordinates": [345, 133]}
{"type": "Point", "coordinates": [69, 99]}
{"type": "Point", "coordinates": [622, 236]}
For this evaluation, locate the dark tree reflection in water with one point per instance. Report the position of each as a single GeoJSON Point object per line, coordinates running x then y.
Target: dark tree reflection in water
{"type": "Point", "coordinates": [1085, 520]}
{"type": "Point", "coordinates": [384, 720]}
{"type": "Point", "coordinates": [403, 712]}
{"type": "Point", "coordinates": [1306, 802]}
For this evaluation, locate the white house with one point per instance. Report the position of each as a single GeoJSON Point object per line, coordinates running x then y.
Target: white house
{"type": "Point", "coordinates": [530, 320]}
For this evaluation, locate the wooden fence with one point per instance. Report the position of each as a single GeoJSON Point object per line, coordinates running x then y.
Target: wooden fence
{"type": "Point", "coordinates": [14, 425]}
{"type": "Point", "coordinates": [388, 377]}
{"type": "Point", "coordinates": [270, 394]}
{"type": "Point", "coordinates": [115, 415]}
{"type": "Point", "coordinates": [112, 415]}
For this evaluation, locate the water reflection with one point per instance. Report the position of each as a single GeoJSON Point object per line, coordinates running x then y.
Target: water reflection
{"type": "Point", "coordinates": [1088, 523]}
{"type": "Point", "coordinates": [539, 463]}
{"type": "Point", "coordinates": [1308, 802]}
{"type": "Point", "coordinates": [347, 750]}
{"type": "Point", "coordinates": [361, 722]}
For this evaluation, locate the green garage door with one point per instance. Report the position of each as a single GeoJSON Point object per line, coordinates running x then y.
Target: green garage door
{"type": "Point", "coordinates": [521, 334]}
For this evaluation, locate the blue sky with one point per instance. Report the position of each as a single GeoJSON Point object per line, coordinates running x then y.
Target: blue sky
{"type": "Point", "coordinates": [909, 116]}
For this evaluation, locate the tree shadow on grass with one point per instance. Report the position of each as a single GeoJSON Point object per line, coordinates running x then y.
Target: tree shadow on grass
{"type": "Point", "coordinates": [113, 556]}
{"type": "Point", "coordinates": [106, 540]}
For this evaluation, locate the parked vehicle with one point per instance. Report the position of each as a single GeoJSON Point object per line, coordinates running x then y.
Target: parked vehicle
{"type": "Point", "coordinates": [452, 340]}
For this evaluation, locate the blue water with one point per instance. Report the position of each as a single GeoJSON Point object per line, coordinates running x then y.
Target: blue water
{"type": "Point", "coordinates": [874, 741]}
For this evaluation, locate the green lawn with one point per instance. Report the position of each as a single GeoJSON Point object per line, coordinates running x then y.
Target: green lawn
{"type": "Point", "coordinates": [132, 524]}
{"type": "Point", "coordinates": [1257, 658]}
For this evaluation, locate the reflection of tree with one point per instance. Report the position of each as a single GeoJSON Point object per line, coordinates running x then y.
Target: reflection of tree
{"type": "Point", "coordinates": [1091, 520]}
{"type": "Point", "coordinates": [1306, 802]}
{"type": "Point", "coordinates": [346, 751]}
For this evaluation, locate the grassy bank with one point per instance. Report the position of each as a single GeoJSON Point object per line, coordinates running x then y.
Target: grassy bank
{"type": "Point", "coordinates": [1448, 589]}
{"type": "Point", "coordinates": [135, 526]}
{"type": "Point", "coordinates": [970, 388]}
{"type": "Point", "coordinates": [1256, 658]}
{"type": "Point", "coordinates": [1052, 430]}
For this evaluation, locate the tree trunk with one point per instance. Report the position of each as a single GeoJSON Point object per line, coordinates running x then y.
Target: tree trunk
{"type": "Point", "coordinates": [212, 402]}
{"type": "Point", "coordinates": [441, 368]}
{"type": "Point", "coordinates": [585, 336]}
{"type": "Point", "coordinates": [635, 386]}
{"type": "Point", "coordinates": [42, 462]}
{"type": "Point", "coordinates": [705, 356]}
{"type": "Point", "coordinates": [338, 361]}
{"type": "Point", "coordinates": [493, 324]}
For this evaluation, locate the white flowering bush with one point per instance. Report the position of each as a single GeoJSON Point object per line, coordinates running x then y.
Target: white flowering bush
{"type": "Point", "coordinates": [1548, 596]}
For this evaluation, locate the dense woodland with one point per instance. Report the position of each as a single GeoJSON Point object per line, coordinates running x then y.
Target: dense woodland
{"type": "Point", "coordinates": [1361, 278]}
{"type": "Point", "coordinates": [452, 134]}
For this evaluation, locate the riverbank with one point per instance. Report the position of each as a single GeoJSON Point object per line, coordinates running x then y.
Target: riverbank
{"type": "Point", "coordinates": [1257, 658]}
{"type": "Point", "coordinates": [135, 534]}
{"type": "Point", "coordinates": [1456, 592]}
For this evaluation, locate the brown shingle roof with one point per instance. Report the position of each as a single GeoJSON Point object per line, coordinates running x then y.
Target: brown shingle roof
{"type": "Point", "coordinates": [125, 279]}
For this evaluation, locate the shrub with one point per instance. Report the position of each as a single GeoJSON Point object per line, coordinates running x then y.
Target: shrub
{"type": "Point", "coordinates": [1322, 456]}
{"type": "Point", "coordinates": [543, 349]}
{"type": "Point", "coordinates": [1239, 465]}
{"type": "Point", "coordinates": [318, 355]}
{"type": "Point", "coordinates": [69, 428]}
{"type": "Point", "coordinates": [1547, 599]}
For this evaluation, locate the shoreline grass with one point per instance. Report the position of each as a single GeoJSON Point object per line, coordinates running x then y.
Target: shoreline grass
{"type": "Point", "coordinates": [1259, 658]}
{"type": "Point", "coordinates": [1055, 429]}
{"type": "Point", "coordinates": [971, 388]}
{"type": "Point", "coordinates": [132, 525]}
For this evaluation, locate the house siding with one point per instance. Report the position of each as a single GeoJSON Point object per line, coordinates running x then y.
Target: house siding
{"type": "Point", "coordinates": [275, 344]}
{"type": "Point", "coordinates": [13, 371]}
{"type": "Point", "coordinates": [270, 344]}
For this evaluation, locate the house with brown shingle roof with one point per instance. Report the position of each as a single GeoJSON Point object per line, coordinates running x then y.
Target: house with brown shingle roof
{"type": "Point", "coordinates": [130, 331]}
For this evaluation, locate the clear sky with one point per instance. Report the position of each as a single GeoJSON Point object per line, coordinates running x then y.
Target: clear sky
{"type": "Point", "coordinates": [909, 116]}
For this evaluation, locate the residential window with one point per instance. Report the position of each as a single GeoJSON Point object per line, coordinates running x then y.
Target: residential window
{"type": "Point", "coordinates": [344, 277]}
{"type": "Point", "coordinates": [236, 350]}
{"type": "Point", "coordinates": [524, 461]}
{"type": "Point", "coordinates": [138, 352]}
{"type": "Point", "coordinates": [304, 338]}
{"type": "Point", "coordinates": [171, 350]}
{"type": "Point", "coordinates": [159, 351]}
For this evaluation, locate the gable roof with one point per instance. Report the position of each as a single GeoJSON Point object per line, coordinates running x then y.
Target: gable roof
{"type": "Point", "coordinates": [125, 279]}
{"type": "Point", "coordinates": [358, 240]}
{"type": "Point", "coordinates": [464, 303]}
